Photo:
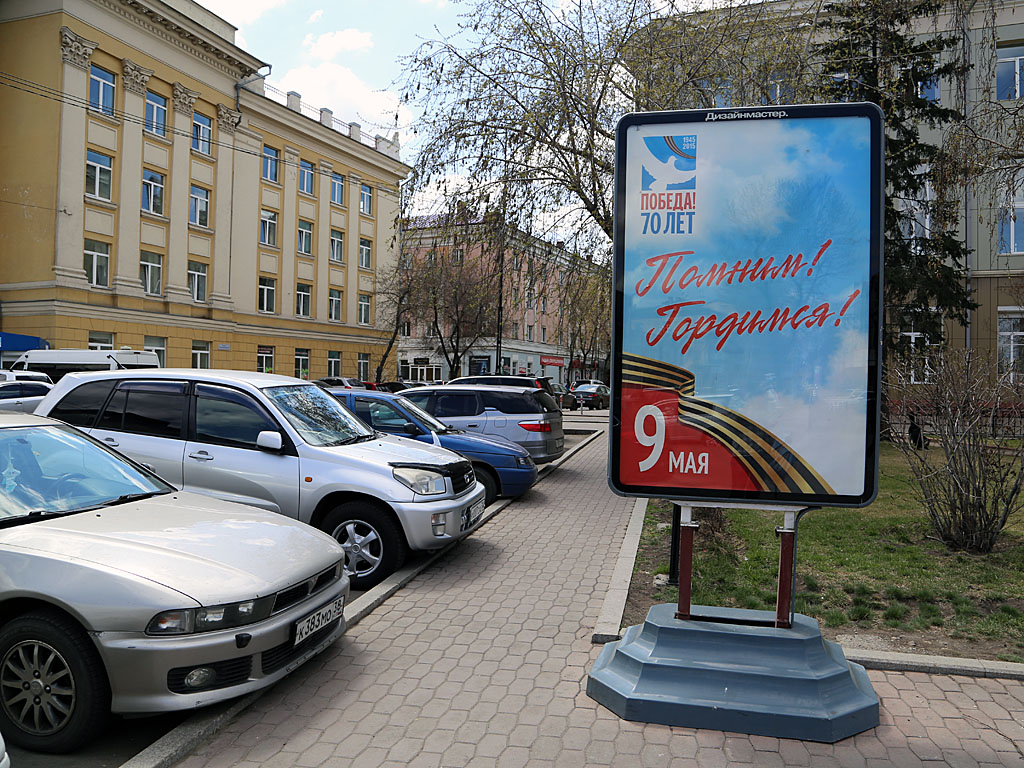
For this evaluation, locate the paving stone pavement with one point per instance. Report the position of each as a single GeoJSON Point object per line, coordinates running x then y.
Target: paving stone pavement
{"type": "Point", "coordinates": [482, 661]}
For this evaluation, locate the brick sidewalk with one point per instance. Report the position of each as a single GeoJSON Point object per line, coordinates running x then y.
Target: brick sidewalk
{"type": "Point", "coordinates": [483, 658]}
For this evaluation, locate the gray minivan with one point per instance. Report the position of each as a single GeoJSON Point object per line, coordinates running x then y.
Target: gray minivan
{"type": "Point", "coordinates": [528, 416]}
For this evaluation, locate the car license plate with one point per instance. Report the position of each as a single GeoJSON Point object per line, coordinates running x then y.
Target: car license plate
{"type": "Point", "coordinates": [318, 620]}
{"type": "Point", "coordinates": [471, 515]}
{"type": "Point", "coordinates": [559, 443]}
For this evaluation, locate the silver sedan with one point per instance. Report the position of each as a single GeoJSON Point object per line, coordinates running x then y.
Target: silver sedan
{"type": "Point", "coordinates": [120, 593]}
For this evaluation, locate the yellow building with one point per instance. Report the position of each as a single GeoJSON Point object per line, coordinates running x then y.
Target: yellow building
{"type": "Point", "coordinates": [155, 193]}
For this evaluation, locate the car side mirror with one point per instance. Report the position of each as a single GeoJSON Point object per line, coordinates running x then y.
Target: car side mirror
{"type": "Point", "coordinates": [269, 440]}
{"type": "Point", "coordinates": [411, 429]}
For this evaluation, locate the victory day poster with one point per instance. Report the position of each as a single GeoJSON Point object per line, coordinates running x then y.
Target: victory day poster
{"type": "Point", "coordinates": [748, 260]}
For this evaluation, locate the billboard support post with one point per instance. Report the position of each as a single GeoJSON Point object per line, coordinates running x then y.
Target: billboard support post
{"type": "Point", "coordinates": [787, 568]}
{"type": "Point", "coordinates": [686, 528]}
{"type": "Point", "coordinates": [673, 554]}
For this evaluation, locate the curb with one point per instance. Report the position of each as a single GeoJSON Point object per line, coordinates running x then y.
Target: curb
{"type": "Point", "coordinates": [609, 625]}
{"type": "Point", "coordinates": [174, 745]}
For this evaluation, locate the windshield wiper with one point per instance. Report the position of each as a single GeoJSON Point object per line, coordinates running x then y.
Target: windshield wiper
{"type": "Point", "coordinates": [356, 439]}
{"type": "Point", "coordinates": [123, 499]}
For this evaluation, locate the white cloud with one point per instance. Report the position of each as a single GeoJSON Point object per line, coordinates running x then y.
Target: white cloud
{"type": "Point", "coordinates": [435, 3]}
{"type": "Point", "coordinates": [317, 15]}
{"type": "Point", "coordinates": [339, 89]}
{"type": "Point", "coordinates": [242, 12]}
{"type": "Point", "coordinates": [328, 45]}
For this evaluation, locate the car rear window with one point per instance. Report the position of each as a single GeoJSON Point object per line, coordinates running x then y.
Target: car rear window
{"type": "Point", "coordinates": [80, 405]}
{"type": "Point", "coordinates": [511, 402]}
{"type": "Point", "coordinates": [547, 402]}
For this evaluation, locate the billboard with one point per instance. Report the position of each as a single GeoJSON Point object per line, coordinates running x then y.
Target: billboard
{"type": "Point", "coordinates": [747, 305]}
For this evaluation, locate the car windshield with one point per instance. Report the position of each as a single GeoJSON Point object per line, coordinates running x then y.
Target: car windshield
{"type": "Point", "coordinates": [431, 423]}
{"type": "Point", "coordinates": [317, 415]}
{"type": "Point", "coordinates": [50, 470]}
{"type": "Point", "coordinates": [587, 388]}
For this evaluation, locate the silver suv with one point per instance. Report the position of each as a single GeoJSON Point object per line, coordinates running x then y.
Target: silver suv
{"type": "Point", "coordinates": [285, 445]}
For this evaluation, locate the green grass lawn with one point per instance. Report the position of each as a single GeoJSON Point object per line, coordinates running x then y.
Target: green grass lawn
{"type": "Point", "coordinates": [874, 567]}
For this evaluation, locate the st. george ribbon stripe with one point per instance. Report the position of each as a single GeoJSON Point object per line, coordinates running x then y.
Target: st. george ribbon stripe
{"type": "Point", "coordinates": [775, 467]}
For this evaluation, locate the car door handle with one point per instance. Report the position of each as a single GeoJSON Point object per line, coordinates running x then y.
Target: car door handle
{"type": "Point", "coordinates": [470, 426]}
{"type": "Point", "coordinates": [201, 455]}
{"type": "Point", "coordinates": [110, 441]}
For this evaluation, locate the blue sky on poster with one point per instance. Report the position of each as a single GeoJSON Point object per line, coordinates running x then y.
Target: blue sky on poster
{"type": "Point", "coordinates": [769, 189]}
{"type": "Point", "coordinates": [339, 54]}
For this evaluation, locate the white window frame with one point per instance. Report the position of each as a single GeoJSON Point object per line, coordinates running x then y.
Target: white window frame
{"type": "Point", "coordinates": [1010, 336]}
{"type": "Point", "coordinates": [405, 329]}
{"type": "Point", "coordinates": [156, 114]}
{"type": "Point", "coordinates": [102, 99]}
{"type": "Point", "coordinates": [153, 192]}
{"type": "Point", "coordinates": [1011, 220]}
{"type": "Point", "coordinates": [301, 363]}
{"type": "Point", "coordinates": [157, 345]}
{"type": "Point", "coordinates": [101, 340]}
{"type": "Point", "coordinates": [337, 189]}
{"type": "Point", "coordinates": [271, 163]}
{"type": "Point", "coordinates": [529, 332]}
{"type": "Point", "coordinates": [334, 304]}
{"type": "Point", "coordinates": [96, 261]}
{"type": "Point", "coordinates": [202, 133]}
{"type": "Point", "coordinates": [197, 280]}
{"type": "Point", "coordinates": [365, 253]}
{"type": "Point", "coordinates": [304, 239]}
{"type": "Point", "coordinates": [268, 227]}
{"type": "Point", "coordinates": [305, 177]}
{"type": "Point", "coordinates": [265, 361]}
{"type": "Point", "coordinates": [303, 299]}
{"type": "Point", "coordinates": [334, 363]}
{"type": "Point", "coordinates": [199, 206]}
{"type": "Point", "coordinates": [201, 354]}
{"type": "Point", "coordinates": [266, 300]}
{"type": "Point", "coordinates": [151, 273]}
{"type": "Point", "coordinates": [101, 172]}
{"type": "Point", "coordinates": [1017, 63]}
{"type": "Point", "coordinates": [363, 366]}
{"type": "Point", "coordinates": [364, 309]}
{"type": "Point", "coordinates": [366, 199]}
{"type": "Point", "coordinates": [337, 252]}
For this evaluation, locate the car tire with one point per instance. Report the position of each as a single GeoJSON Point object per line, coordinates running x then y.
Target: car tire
{"type": "Point", "coordinates": [374, 546]}
{"type": "Point", "coordinates": [489, 482]}
{"type": "Point", "coordinates": [54, 692]}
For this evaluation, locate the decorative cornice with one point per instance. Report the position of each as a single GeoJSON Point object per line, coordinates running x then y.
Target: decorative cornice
{"type": "Point", "coordinates": [136, 78]}
{"type": "Point", "coordinates": [227, 118]}
{"type": "Point", "coordinates": [74, 49]}
{"type": "Point", "coordinates": [184, 99]}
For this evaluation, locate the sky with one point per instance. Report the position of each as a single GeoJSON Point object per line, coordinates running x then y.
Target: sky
{"type": "Point", "coordinates": [340, 54]}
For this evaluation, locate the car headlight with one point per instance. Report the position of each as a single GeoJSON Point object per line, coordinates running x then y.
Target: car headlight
{"type": "Point", "coordinates": [422, 481]}
{"type": "Point", "coordinates": [524, 461]}
{"type": "Point", "coordinates": [185, 621]}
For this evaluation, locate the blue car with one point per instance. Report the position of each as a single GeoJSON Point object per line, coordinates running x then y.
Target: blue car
{"type": "Point", "coordinates": [504, 468]}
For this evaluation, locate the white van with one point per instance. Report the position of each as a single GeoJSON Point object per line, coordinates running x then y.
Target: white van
{"type": "Point", "coordinates": [57, 362]}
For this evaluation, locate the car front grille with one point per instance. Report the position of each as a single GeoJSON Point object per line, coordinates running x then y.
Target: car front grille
{"type": "Point", "coordinates": [296, 593]}
{"type": "Point", "coordinates": [285, 653]}
{"type": "Point", "coordinates": [226, 673]}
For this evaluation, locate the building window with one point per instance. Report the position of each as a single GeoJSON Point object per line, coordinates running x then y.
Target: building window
{"type": "Point", "coordinates": [917, 344]}
{"type": "Point", "coordinates": [365, 253]}
{"type": "Point", "coordinates": [1011, 225]}
{"type": "Point", "coordinates": [337, 245]}
{"type": "Point", "coordinates": [337, 189]}
{"type": "Point", "coordinates": [151, 270]}
{"type": "Point", "coordinates": [264, 359]}
{"type": "Point", "coordinates": [364, 366]}
{"type": "Point", "coordinates": [200, 354]}
{"type": "Point", "coordinates": [302, 363]}
{"type": "Point", "coordinates": [267, 298]}
{"type": "Point", "coordinates": [101, 340]}
{"type": "Point", "coordinates": [529, 333]}
{"type": "Point", "coordinates": [529, 298]}
{"type": "Point", "coordinates": [514, 334]}
{"type": "Point", "coordinates": [306, 177]}
{"type": "Point", "coordinates": [156, 114]}
{"type": "Point", "coordinates": [202, 132]}
{"type": "Point", "coordinates": [405, 329]}
{"type": "Point", "coordinates": [543, 335]}
{"type": "Point", "coordinates": [305, 243]}
{"type": "Point", "coordinates": [152, 192]}
{"type": "Point", "coordinates": [456, 256]}
{"type": "Point", "coordinates": [268, 227]}
{"type": "Point", "coordinates": [98, 174]}
{"type": "Point", "coordinates": [197, 281]}
{"type": "Point", "coordinates": [303, 299]}
{"type": "Point", "coordinates": [101, 90]}
{"type": "Point", "coordinates": [430, 330]}
{"type": "Point", "coordinates": [543, 303]}
{"type": "Point", "coordinates": [334, 304]}
{"type": "Point", "coordinates": [270, 158]}
{"type": "Point", "coordinates": [157, 345]}
{"type": "Point", "coordinates": [334, 363]}
{"type": "Point", "coordinates": [365, 199]}
{"type": "Point", "coordinates": [1011, 346]}
{"type": "Point", "coordinates": [1009, 66]}
{"type": "Point", "coordinates": [929, 90]}
{"type": "Point", "coordinates": [97, 263]}
{"type": "Point", "coordinates": [199, 206]}
{"type": "Point", "coordinates": [364, 309]}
